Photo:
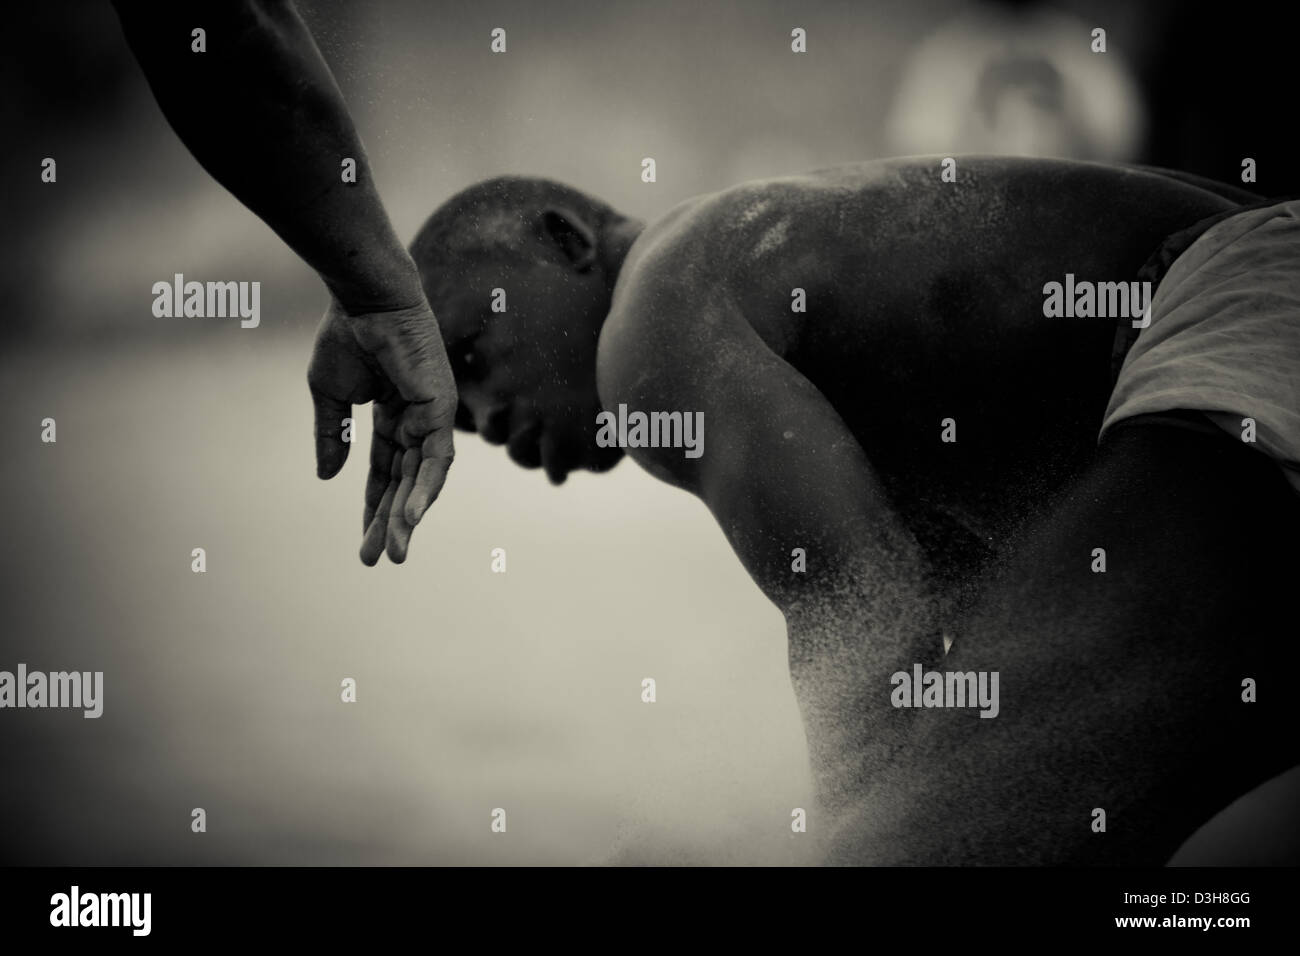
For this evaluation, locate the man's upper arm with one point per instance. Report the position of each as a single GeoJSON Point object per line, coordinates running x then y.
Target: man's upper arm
{"type": "Point", "coordinates": [779, 469]}
{"type": "Point", "coordinates": [794, 494]}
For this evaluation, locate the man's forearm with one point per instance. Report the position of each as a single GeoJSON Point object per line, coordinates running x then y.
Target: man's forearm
{"type": "Point", "coordinates": [260, 110]}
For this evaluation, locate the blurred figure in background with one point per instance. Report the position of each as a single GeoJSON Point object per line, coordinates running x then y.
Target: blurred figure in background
{"type": "Point", "coordinates": [1016, 79]}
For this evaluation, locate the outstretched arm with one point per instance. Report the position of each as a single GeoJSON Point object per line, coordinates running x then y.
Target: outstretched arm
{"type": "Point", "coordinates": [260, 111]}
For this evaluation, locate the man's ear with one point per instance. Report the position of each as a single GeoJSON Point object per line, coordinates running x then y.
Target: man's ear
{"type": "Point", "coordinates": [575, 238]}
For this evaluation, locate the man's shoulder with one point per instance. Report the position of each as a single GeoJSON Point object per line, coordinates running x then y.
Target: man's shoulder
{"type": "Point", "coordinates": [703, 241]}
{"type": "Point", "coordinates": [676, 294]}
{"type": "Point", "coordinates": [664, 282]}
{"type": "Point", "coordinates": [715, 222]}
{"type": "Point", "coordinates": [685, 277]}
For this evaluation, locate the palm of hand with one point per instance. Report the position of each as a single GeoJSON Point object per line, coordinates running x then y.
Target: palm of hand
{"type": "Point", "coordinates": [396, 360]}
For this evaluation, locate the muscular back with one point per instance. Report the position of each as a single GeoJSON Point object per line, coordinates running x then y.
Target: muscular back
{"type": "Point", "coordinates": [924, 301]}
{"type": "Point", "coordinates": [822, 428]}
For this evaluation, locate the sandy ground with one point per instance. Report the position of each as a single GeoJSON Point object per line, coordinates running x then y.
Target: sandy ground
{"type": "Point", "coordinates": [475, 690]}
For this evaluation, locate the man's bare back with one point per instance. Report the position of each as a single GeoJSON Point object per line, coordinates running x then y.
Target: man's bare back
{"type": "Point", "coordinates": [902, 449]}
{"type": "Point", "coordinates": [923, 301]}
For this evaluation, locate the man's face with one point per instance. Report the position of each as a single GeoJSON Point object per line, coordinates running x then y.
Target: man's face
{"type": "Point", "coordinates": [527, 375]}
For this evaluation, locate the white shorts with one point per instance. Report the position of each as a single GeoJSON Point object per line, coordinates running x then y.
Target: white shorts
{"type": "Point", "coordinates": [1224, 337]}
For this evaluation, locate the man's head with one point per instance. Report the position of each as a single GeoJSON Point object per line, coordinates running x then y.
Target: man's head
{"type": "Point", "coordinates": [520, 273]}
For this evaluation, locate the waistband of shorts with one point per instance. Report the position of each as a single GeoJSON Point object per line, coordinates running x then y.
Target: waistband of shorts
{"type": "Point", "coordinates": [1159, 263]}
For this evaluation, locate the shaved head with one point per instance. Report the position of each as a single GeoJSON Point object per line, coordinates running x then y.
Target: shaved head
{"type": "Point", "coordinates": [520, 272]}
{"type": "Point", "coordinates": [503, 219]}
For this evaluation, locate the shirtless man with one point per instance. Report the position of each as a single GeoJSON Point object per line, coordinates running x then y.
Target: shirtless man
{"type": "Point", "coordinates": [1120, 690]}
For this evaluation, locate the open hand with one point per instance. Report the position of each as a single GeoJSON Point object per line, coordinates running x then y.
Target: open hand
{"type": "Point", "coordinates": [395, 359]}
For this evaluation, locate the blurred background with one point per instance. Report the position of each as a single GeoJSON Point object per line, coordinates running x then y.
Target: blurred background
{"type": "Point", "coordinates": [475, 690]}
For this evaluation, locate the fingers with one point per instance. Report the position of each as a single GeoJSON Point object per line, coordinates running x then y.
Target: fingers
{"type": "Point", "coordinates": [331, 449]}
{"type": "Point", "coordinates": [338, 378]}
{"type": "Point", "coordinates": [412, 447]}
{"type": "Point", "coordinates": [403, 481]}
{"type": "Point", "coordinates": [372, 546]}
{"type": "Point", "coordinates": [399, 529]}
{"type": "Point", "coordinates": [428, 427]}
{"type": "Point", "coordinates": [428, 483]}
{"type": "Point", "coordinates": [408, 348]}
{"type": "Point", "coordinates": [381, 462]}
{"type": "Point", "coordinates": [392, 476]}
{"type": "Point", "coordinates": [382, 449]}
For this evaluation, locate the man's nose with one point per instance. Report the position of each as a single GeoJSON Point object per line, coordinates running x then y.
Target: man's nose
{"type": "Point", "coordinates": [494, 425]}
